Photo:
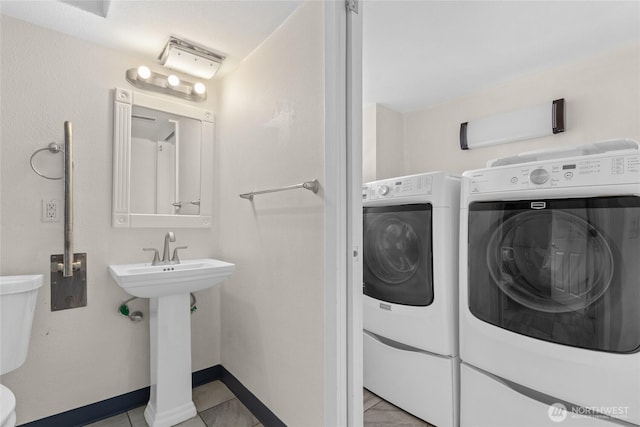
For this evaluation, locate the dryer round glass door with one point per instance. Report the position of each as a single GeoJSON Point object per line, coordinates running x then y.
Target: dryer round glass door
{"type": "Point", "coordinates": [392, 248]}
{"type": "Point", "coordinates": [397, 254]}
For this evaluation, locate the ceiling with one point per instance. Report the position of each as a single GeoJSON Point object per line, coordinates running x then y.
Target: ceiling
{"type": "Point", "coordinates": [422, 53]}
{"type": "Point", "coordinates": [416, 53]}
{"type": "Point", "coordinates": [230, 28]}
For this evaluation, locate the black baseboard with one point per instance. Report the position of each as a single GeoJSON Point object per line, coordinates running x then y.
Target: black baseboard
{"type": "Point", "coordinates": [207, 375]}
{"type": "Point", "coordinates": [248, 399]}
{"type": "Point", "coordinates": [125, 402]}
{"type": "Point", "coordinates": [95, 411]}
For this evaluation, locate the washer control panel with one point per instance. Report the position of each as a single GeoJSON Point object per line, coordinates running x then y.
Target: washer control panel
{"type": "Point", "coordinates": [539, 176]}
{"type": "Point", "coordinates": [576, 172]}
{"type": "Point", "coordinates": [399, 187]}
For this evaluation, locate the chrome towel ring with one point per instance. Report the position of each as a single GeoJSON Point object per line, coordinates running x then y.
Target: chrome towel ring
{"type": "Point", "coordinates": [52, 148]}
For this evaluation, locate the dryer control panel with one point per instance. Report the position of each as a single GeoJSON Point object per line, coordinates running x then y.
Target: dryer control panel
{"type": "Point", "coordinates": [574, 172]}
{"type": "Point", "coordinates": [417, 185]}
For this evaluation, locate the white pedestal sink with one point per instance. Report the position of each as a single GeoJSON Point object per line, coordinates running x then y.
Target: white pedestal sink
{"type": "Point", "coordinates": [168, 286]}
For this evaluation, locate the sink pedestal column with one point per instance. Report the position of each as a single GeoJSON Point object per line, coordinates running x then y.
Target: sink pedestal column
{"type": "Point", "coordinates": [170, 335]}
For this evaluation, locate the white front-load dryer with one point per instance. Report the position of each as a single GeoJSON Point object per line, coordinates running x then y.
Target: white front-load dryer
{"type": "Point", "coordinates": [550, 290]}
{"type": "Point", "coordinates": [410, 248]}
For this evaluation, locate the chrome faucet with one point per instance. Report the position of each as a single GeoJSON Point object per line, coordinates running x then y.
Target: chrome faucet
{"type": "Point", "coordinates": [169, 237]}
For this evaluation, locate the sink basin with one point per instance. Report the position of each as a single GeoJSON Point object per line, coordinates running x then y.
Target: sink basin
{"type": "Point", "coordinates": [168, 287]}
{"type": "Point", "coordinates": [151, 281]}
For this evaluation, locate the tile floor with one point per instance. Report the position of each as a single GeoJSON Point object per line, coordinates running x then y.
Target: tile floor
{"type": "Point", "coordinates": [380, 413]}
{"type": "Point", "coordinates": [218, 407]}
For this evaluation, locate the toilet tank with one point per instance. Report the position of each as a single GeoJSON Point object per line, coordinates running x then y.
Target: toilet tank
{"type": "Point", "coordinates": [17, 305]}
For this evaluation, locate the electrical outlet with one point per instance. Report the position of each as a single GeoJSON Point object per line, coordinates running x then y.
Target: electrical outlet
{"type": "Point", "coordinates": [51, 210]}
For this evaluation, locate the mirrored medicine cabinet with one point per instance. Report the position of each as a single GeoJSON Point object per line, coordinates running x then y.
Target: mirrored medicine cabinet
{"type": "Point", "coordinates": [162, 162]}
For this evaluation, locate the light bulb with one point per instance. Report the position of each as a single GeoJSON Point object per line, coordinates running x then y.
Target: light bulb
{"type": "Point", "coordinates": [144, 72]}
{"type": "Point", "coordinates": [199, 88]}
{"type": "Point", "coordinates": [173, 80]}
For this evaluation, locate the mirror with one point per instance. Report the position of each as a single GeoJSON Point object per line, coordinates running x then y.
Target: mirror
{"type": "Point", "coordinates": [163, 161]}
{"type": "Point", "coordinates": [165, 154]}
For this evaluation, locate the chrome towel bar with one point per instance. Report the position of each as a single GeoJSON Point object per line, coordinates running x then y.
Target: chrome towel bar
{"type": "Point", "coordinates": [312, 185]}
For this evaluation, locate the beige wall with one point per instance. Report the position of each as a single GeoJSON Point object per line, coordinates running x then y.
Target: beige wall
{"type": "Point", "coordinates": [383, 154]}
{"type": "Point", "coordinates": [83, 355]}
{"type": "Point", "coordinates": [369, 142]}
{"type": "Point", "coordinates": [602, 95]}
{"type": "Point", "coordinates": [271, 134]}
{"type": "Point", "coordinates": [390, 156]}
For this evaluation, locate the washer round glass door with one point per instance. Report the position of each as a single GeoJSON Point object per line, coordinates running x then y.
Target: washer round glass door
{"type": "Point", "coordinates": [550, 261]}
{"type": "Point", "coordinates": [560, 270]}
{"type": "Point", "coordinates": [397, 254]}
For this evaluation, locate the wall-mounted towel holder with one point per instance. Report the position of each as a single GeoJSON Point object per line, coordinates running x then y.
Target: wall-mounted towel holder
{"type": "Point", "coordinates": [68, 270]}
{"type": "Point", "coordinates": [53, 148]}
{"type": "Point", "coordinates": [312, 185]}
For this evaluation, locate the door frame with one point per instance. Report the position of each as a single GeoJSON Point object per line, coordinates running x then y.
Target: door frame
{"type": "Point", "coordinates": [343, 214]}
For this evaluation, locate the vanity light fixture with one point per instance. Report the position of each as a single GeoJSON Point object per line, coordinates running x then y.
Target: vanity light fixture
{"type": "Point", "coordinates": [199, 88]}
{"type": "Point", "coordinates": [144, 72]}
{"type": "Point", "coordinates": [190, 58]}
{"type": "Point", "coordinates": [143, 78]}
{"type": "Point", "coordinates": [527, 123]}
{"type": "Point", "coordinates": [173, 80]}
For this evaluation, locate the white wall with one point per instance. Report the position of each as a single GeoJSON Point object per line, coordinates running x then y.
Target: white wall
{"type": "Point", "coordinates": [82, 355]}
{"type": "Point", "coordinates": [383, 143]}
{"type": "Point", "coordinates": [602, 95]}
{"type": "Point", "coordinates": [271, 133]}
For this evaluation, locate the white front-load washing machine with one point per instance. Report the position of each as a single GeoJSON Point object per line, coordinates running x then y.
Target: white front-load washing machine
{"type": "Point", "coordinates": [550, 289]}
{"type": "Point", "coordinates": [410, 248]}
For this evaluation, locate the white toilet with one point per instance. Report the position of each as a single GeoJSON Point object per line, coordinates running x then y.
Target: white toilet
{"type": "Point", "coordinates": [17, 305]}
